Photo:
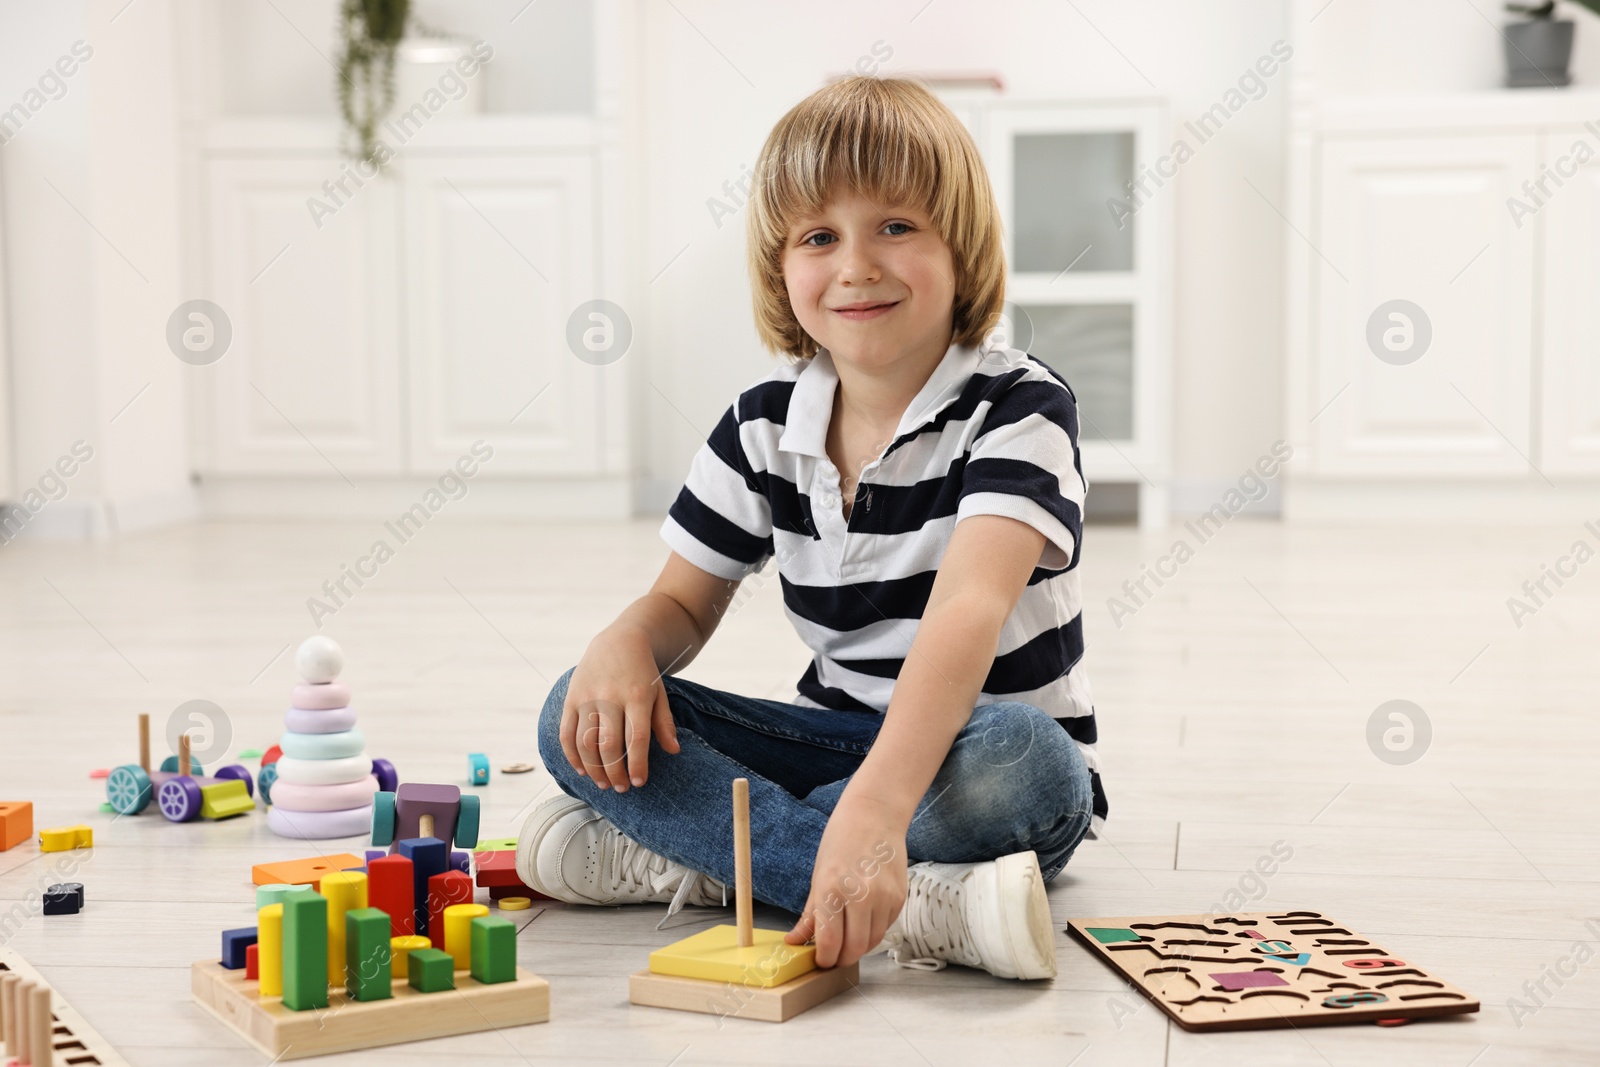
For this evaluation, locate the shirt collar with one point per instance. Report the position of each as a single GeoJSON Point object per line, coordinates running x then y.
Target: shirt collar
{"type": "Point", "coordinates": [805, 428]}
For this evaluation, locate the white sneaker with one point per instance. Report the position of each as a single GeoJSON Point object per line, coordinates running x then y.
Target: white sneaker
{"type": "Point", "coordinates": [993, 916]}
{"type": "Point", "coordinates": [568, 851]}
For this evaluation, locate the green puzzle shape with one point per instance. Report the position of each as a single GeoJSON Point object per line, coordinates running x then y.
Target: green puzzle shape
{"type": "Point", "coordinates": [1107, 935]}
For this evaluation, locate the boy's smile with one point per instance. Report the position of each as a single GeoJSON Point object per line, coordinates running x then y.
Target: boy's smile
{"type": "Point", "coordinates": [872, 282]}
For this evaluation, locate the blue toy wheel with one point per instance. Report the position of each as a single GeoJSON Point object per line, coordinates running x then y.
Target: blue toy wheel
{"type": "Point", "coordinates": [383, 819]}
{"type": "Point", "coordinates": [170, 765]}
{"type": "Point", "coordinates": [179, 799]}
{"type": "Point", "coordinates": [388, 778]}
{"type": "Point", "coordinates": [128, 789]}
{"type": "Point", "coordinates": [467, 821]}
{"type": "Point", "coordinates": [239, 772]}
{"type": "Point", "coordinates": [266, 779]}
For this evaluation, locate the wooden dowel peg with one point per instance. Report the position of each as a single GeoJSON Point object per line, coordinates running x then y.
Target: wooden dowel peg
{"type": "Point", "coordinates": [42, 1028]}
{"type": "Point", "coordinates": [144, 742]}
{"type": "Point", "coordinates": [741, 862]}
{"type": "Point", "coordinates": [8, 1022]}
{"type": "Point", "coordinates": [183, 752]}
{"type": "Point", "coordinates": [425, 824]}
{"type": "Point", "coordinates": [18, 1045]}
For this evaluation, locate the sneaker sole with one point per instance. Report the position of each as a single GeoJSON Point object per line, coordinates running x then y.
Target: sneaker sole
{"type": "Point", "coordinates": [534, 829]}
{"type": "Point", "coordinates": [1025, 916]}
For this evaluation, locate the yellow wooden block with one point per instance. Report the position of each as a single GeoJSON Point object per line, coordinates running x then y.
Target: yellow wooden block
{"type": "Point", "coordinates": [62, 838]}
{"type": "Point", "coordinates": [400, 948]}
{"type": "Point", "coordinates": [269, 949]}
{"type": "Point", "coordinates": [346, 891]}
{"type": "Point", "coordinates": [715, 955]}
{"type": "Point", "coordinates": [458, 932]}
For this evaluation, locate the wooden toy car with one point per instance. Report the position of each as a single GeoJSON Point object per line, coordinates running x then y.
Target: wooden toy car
{"type": "Point", "coordinates": [417, 809]}
{"type": "Point", "coordinates": [180, 797]}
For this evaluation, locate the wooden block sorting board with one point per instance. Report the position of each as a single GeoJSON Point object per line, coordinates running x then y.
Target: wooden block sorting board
{"type": "Point", "coordinates": [774, 1005]}
{"type": "Point", "coordinates": [1256, 970]}
{"type": "Point", "coordinates": [345, 1024]}
{"type": "Point", "coordinates": [74, 1040]}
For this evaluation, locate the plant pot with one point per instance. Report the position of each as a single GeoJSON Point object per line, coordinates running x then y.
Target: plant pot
{"type": "Point", "coordinates": [1537, 52]}
{"type": "Point", "coordinates": [421, 64]}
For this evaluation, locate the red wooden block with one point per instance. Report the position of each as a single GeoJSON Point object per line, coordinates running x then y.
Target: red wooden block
{"type": "Point", "coordinates": [391, 888]}
{"type": "Point", "coordinates": [16, 823]}
{"type": "Point", "coordinates": [451, 887]}
{"type": "Point", "coordinates": [252, 966]}
{"type": "Point", "coordinates": [497, 868]}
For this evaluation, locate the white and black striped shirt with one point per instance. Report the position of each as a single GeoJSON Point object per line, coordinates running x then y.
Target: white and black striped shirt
{"type": "Point", "coordinates": [992, 432]}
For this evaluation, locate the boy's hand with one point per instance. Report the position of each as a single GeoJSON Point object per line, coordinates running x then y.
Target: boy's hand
{"type": "Point", "coordinates": [858, 884]}
{"type": "Point", "coordinates": [615, 700]}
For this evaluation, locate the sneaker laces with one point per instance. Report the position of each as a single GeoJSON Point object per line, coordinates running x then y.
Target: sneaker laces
{"type": "Point", "coordinates": [932, 925]}
{"type": "Point", "coordinates": [633, 868]}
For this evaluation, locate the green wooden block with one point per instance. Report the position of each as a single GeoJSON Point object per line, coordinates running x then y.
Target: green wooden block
{"type": "Point", "coordinates": [431, 970]}
{"type": "Point", "coordinates": [367, 955]}
{"type": "Point", "coordinates": [305, 951]}
{"type": "Point", "coordinates": [494, 949]}
{"type": "Point", "coordinates": [495, 844]}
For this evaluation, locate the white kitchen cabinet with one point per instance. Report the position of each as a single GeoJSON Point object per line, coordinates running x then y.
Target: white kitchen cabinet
{"type": "Point", "coordinates": [309, 383]}
{"type": "Point", "coordinates": [1569, 441]}
{"type": "Point", "coordinates": [1423, 220]}
{"type": "Point", "coordinates": [499, 252]}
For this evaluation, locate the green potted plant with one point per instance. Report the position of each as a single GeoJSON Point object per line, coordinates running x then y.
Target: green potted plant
{"type": "Point", "coordinates": [370, 31]}
{"type": "Point", "coordinates": [1539, 48]}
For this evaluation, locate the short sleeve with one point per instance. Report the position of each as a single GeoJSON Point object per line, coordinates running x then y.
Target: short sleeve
{"type": "Point", "coordinates": [721, 520]}
{"type": "Point", "coordinates": [1024, 464]}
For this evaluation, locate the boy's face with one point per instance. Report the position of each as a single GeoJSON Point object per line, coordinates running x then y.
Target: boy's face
{"type": "Point", "coordinates": [859, 252]}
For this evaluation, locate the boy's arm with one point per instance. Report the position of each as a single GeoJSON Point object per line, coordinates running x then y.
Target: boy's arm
{"type": "Point", "coordinates": [984, 570]}
{"type": "Point", "coordinates": [616, 700]}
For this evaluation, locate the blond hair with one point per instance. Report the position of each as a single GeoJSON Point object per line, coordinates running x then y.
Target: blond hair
{"type": "Point", "coordinates": [888, 139]}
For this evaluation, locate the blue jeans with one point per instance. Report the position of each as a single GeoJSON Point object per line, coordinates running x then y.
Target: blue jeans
{"type": "Point", "coordinates": [1013, 781]}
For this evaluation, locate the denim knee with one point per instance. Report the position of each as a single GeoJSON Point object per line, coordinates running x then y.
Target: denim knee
{"type": "Point", "coordinates": [555, 760]}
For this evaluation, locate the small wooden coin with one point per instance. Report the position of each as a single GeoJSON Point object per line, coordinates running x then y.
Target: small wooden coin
{"type": "Point", "coordinates": [517, 768]}
{"type": "Point", "coordinates": [515, 903]}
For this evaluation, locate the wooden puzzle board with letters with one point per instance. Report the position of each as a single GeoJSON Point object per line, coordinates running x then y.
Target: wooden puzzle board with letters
{"type": "Point", "coordinates": [1251, 971]}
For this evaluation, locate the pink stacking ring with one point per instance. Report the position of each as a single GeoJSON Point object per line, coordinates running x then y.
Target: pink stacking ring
{"type": "Point", "coordinates": [308, 721]}
{"type": "Point", "coordinates": [313, 825]}
{"type": "Point", "coordinates": [321, 696]}
{"type": "Point", "coordinates": [292, 797]}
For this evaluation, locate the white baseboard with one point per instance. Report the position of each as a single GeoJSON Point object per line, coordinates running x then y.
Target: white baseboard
{"type": "Point", "coordinates": [1496, 503]}
{"type": "Point", "coordinates": [150, 512]}
{"type": "Point", "coordinates": [384, 497]}
{"type": "Point", "coordinates": [1196, 496]}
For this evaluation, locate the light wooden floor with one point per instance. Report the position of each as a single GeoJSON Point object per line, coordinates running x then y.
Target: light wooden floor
{"type": "Point", "coordinates": [1233, 711]}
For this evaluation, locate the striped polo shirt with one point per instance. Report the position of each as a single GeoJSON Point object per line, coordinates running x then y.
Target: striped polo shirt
{"type": "Point", "coordinates": [993, 431]}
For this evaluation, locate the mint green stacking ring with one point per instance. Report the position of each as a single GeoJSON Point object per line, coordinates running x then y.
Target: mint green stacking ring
{"type": "Point", "coordinates": [323, 746]}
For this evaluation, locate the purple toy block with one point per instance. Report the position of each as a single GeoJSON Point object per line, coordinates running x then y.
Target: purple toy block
{"type": "Point", "coordinates": [416, 799]}
{"type": "Point", "coordinates": [234, 942]}
{"type": "Point", "coordinates": [376, 854]}
{"type": "Point", "coordinates": [461, 861]}
{"type": "Point", "coordinates": [429, 856]}
{"type": "Point", "coordinates": [1233, 981]}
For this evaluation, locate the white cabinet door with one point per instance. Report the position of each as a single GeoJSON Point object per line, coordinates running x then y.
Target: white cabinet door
{"type": "Point", "coordinates": [499, 254]}
{"type": "Point", "coordinates": [310, 383]}
{"type": "Point", "coordinates": [1570, 389]}
{"type": "Point", "coordinates": [1423, 220]}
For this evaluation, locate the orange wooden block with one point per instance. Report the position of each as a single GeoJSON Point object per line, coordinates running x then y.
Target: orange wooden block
{"type": "Point", "coordinates": [303, 872]}
{"type": "Point", "coordinates": [16, 823]}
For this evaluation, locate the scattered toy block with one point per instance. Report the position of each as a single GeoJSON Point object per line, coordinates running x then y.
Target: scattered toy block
{"type": "Point", "coordinates": [391, 886]}
{"type": "Point", "coordinates": [461, 861]}
{"type": "Point", "coordinates": [252, 962]}
{"type": "Point", "coordinates": [222, 800]}
{"type": "Point", "coordinates": [444, 891]}
{"type": "Point", "coordinates": [269, 947]}
{"type": "Point", "coordinates": [429, 856]}
{"type": "Point", "coordinates": [345, 891]}
{"type": "Point", "coordinates": [100, 772]}
{"type": "Point", "coordinates": [305, 951]}
{"type": "Point", "coordinates": [498, 868]}
{"type": "Point", "coordinates": [302, 872]}
{"type": "Point", "coordinates": [234, 943]}
{"type": "Point", "coordinates": [63, 838]}
{"type": "Point", "coordinates": [430, 970]}
{"type": "Point", "coordinates": [493, 949]}
{"type": "Point", "coordinates": [64, 898]}
{"type": "Point", "coordinates": [369, 965]}
{"type": "Point", "coordinates": [458, 932]}
{"type": "Point", "coordinates": [401, 947]}
{"type": "Point", "coordinates": [478, 769]}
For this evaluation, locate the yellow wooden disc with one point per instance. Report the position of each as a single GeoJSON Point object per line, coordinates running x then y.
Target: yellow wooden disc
{"type": "Point", "coordinates": [515, 903]}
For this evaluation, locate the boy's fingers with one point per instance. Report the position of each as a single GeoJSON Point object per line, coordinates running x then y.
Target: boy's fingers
{"type": "Point", "coordinates": [590, 727]}
{"type": "Point", "coordinates": [666, 729]}
{"type": "Point", "coordinates": [612, 742]}
{"type": "Point", "coordinates": [857, 925]}
{"type": "Point", "coordinates": [569, 738]}
{"type": "Point", "coordinates": [803, 930]}
{"type": "Point", "coordinates": [829, 935]}
{"type": "Point", "coordinates": [638, 743]}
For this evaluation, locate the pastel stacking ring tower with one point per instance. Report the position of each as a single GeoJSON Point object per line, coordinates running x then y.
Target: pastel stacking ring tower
{"type": "Point", "coordinates": [324, 781]}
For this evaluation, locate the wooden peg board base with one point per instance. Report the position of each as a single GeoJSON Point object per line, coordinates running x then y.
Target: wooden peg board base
{"type": "Point", "coordinates": [75, 1041]}
{"type": "Point", "coordinates": [1256, 970]}
{"type": "Point", "coordinates": [775, 1005]}
{"type": "Point", "coordinates": [345, 1024]}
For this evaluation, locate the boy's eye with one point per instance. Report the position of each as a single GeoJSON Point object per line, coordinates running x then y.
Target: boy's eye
{"type": "Point", "coordinates": [905, 228]}
{"type": "Point", "coordinates": [807, 241]}
{"type": "Point", "coordinates": [906, 225]}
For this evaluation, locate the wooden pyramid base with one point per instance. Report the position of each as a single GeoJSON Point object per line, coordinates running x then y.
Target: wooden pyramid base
{"type": "Point", "coordinates": [776, 1004]}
